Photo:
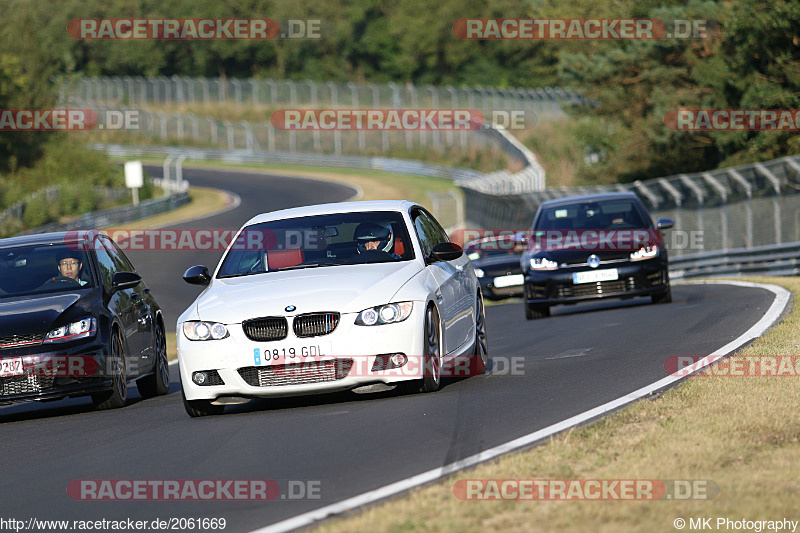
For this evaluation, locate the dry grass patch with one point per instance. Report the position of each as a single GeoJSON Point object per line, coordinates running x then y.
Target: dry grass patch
{"type": "Point", "coordinates": [743, 433]}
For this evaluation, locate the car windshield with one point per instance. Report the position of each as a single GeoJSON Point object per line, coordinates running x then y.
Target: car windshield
{"type": "Point", "coordinates": [43, 268]}
{"type": "Point", "coordinates": [610, 214]}
{"type": "Point", "coordinates": [318, 241]}
{"type": "Point", "coordinates": [494, 248]}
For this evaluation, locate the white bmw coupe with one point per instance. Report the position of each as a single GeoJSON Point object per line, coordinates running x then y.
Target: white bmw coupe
{"type": "Point", "coordinates": [331, 297]}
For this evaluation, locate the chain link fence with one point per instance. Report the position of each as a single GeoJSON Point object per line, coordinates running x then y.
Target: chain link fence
{"type": "Point", "coordinates": [732, 208]}
{"type": "Point", "coordinates": [143, 94]}
{"type": "Point", "coordinates": [139, 91]}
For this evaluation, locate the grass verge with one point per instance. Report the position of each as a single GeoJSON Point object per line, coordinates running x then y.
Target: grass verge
{"type": "Point", "coordinates": [742, 433]}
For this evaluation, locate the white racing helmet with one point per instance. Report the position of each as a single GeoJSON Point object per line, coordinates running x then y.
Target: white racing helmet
{"type": "Point", "coordinates": [374, 231]}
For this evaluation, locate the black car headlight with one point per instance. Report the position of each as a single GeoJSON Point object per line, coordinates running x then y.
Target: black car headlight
{"type": "Point", "coordinates": [196, 330]}
{"type": "Point", "coordinates": [80, 329]}
{"type": "Point", "coordinates": [384, 314]}
{"type": "Point", "coordinates": [479, 272]}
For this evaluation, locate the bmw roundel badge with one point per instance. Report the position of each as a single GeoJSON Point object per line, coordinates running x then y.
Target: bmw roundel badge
{"type": "Point", "coordinates": [290, 308]}
{"type": "Point", "coordinates": [593, 261]}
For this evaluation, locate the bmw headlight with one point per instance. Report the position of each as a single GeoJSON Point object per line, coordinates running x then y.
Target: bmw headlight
{"type": "Point", "coordinates": [204, 331]}
{"type": "Point", "coordinates": [542, 263]}
{"type": "Point", "coordinates": [81, 329]}
{"type": "Point", "coordinates": [479, 272]}
{"type": "Point", "coordinates": [645, 252]}
{"type": "Point", "coordinates": [384, 314]}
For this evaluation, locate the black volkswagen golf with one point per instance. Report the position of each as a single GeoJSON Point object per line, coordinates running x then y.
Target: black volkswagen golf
{"type": "Point", "coordinates": [75, 320]}
{"type": "Point", "coordinates": [595, 246]}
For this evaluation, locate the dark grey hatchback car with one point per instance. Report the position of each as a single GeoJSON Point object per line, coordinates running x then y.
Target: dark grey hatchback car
{"type": "Point", "coordinates": [591, 247]}
{"type": "Point", "coordinates": [76, 320]}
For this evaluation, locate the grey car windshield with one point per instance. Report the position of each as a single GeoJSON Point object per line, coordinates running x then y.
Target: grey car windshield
{"type": "Point", "coordinates": [318, 241]}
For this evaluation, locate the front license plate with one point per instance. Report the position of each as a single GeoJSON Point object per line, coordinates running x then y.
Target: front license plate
{"type": "Point", "coordinates": [11, 367]}
{"type": "Point", "coordinates": [290, 353]}
{"type": "Point", "coordinates": [509, 281]}
{"type": "Point", "coordinates": [595, 275]}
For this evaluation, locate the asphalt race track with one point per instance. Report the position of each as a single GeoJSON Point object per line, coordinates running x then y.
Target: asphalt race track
{"type": "Point", "coordinates": [347, 444]}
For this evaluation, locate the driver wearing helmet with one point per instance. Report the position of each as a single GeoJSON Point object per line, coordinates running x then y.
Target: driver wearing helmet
{"type": "Point", "coordinates": [375, 238]}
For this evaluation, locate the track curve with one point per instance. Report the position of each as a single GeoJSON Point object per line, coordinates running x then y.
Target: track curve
{"type": "Point", "coordinates": [579, 358]}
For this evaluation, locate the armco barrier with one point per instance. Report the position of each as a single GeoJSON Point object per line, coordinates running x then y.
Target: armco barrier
{"type": "Point", "coordinates": [118, 215]}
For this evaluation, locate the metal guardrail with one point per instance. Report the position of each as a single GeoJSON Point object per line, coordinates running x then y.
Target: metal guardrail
{"type": "Point", "coordinates": [388, 164]}
{"type": "Point", "coordinates": [118, 215]}
{"type": "Point", "coordinates": [772, 260]}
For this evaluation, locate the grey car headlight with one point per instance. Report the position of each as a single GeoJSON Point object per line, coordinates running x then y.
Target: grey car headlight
{"type": "Point", "coordinates": [204, 331]}
{"type": "Point", "coordinates": [385, 314]}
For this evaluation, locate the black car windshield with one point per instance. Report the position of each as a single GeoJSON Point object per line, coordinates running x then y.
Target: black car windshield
{"type": "Point", "coordinates": [609, 214]}
{"type": "Point", "coordinates": [318, 241]}
{"type": "Point", "coordinates": [494, 248]}
{"type": "Point", "coordinates": [43, 268]}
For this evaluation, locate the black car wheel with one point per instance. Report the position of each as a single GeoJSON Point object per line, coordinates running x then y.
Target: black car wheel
{"type": "Point", "coordinates": [663, 298]}
{"type": "Point", "coordinates": [534, 311]}
{"type": "Point", "coordinates": [157, 383]}
{"type": "Point", "coordinates": [197, 408]}
{"type": "Point", "coordinates": [118, 394]}
{"type": "Point", "coordinates": [481, 355]}
{"type": "Point", "coordinates": [432, 358]}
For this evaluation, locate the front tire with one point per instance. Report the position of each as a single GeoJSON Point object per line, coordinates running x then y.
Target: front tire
{"type": "Point", "coordinates": [663, 298]}
{"type": "Point", "coordinates": [536, 311]}
{"type": "Point", "coordinates": [197, 408]}
{"type": "Point", "coordinates": [481, 355]}
{"type": "Point", "coordinates": [431, 357]}
{"type": "Point", "coordinates": [118, 394]}
{"type": "Point", "coordinates": [157, 383]}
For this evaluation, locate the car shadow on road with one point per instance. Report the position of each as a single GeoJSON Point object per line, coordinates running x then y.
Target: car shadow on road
{"type": "Point", "coordinates": [33, 410]}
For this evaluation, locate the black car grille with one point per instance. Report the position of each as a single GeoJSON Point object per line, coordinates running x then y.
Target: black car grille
{"type": "Point", "coordinates": [266, 329]}
{"type": "Point", "coordinates": [315, 324]}
{"type": "Point", "coordinates": [11, 342]}
{"type": "Point", "coordinates": [27, 384]}
{"type": "Point", "coordinates": [598, 288]}
{"type": "Point", "coordinates": [296, 374]}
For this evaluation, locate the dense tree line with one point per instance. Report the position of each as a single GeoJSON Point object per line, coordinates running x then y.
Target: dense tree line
{"type": "Point", "coordinates": [749, 59]}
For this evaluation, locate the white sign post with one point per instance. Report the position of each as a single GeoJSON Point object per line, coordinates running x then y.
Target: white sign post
{"type": "Point", "coordinates": [134, 178]}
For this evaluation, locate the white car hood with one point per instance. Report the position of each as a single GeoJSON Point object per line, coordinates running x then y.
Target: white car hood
{"type": "Point", "coordinates": [346, 289]}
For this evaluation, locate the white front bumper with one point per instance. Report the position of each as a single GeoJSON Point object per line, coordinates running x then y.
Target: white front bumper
{"type": "Point", "coordinates": [360, 343]}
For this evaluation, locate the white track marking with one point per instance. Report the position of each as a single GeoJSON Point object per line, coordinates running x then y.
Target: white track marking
{"type": "Point", "coordinates": [782, 298]}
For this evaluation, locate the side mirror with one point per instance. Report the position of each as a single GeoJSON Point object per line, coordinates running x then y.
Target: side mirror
{"type": "Point", "coordinates": [665, 223]}
{"type": "Point", "coordinates": [197, 275]}
{"type": "Point", "coordinates": [125, 280]}
{"type": "Point", "coordinates": [446, 251]}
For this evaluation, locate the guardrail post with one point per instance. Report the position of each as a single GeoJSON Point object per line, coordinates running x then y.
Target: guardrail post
{"type": "Point", "coordinates": [165, 171]}
{"type": "Point", "coordinates": [723, 212]}
{"type": "Point", "coordinates": [776, 203]}
{"type": "Point", "coordinates": [748, 188]}
{"type": "Point", "coordinates": [179, 173]}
